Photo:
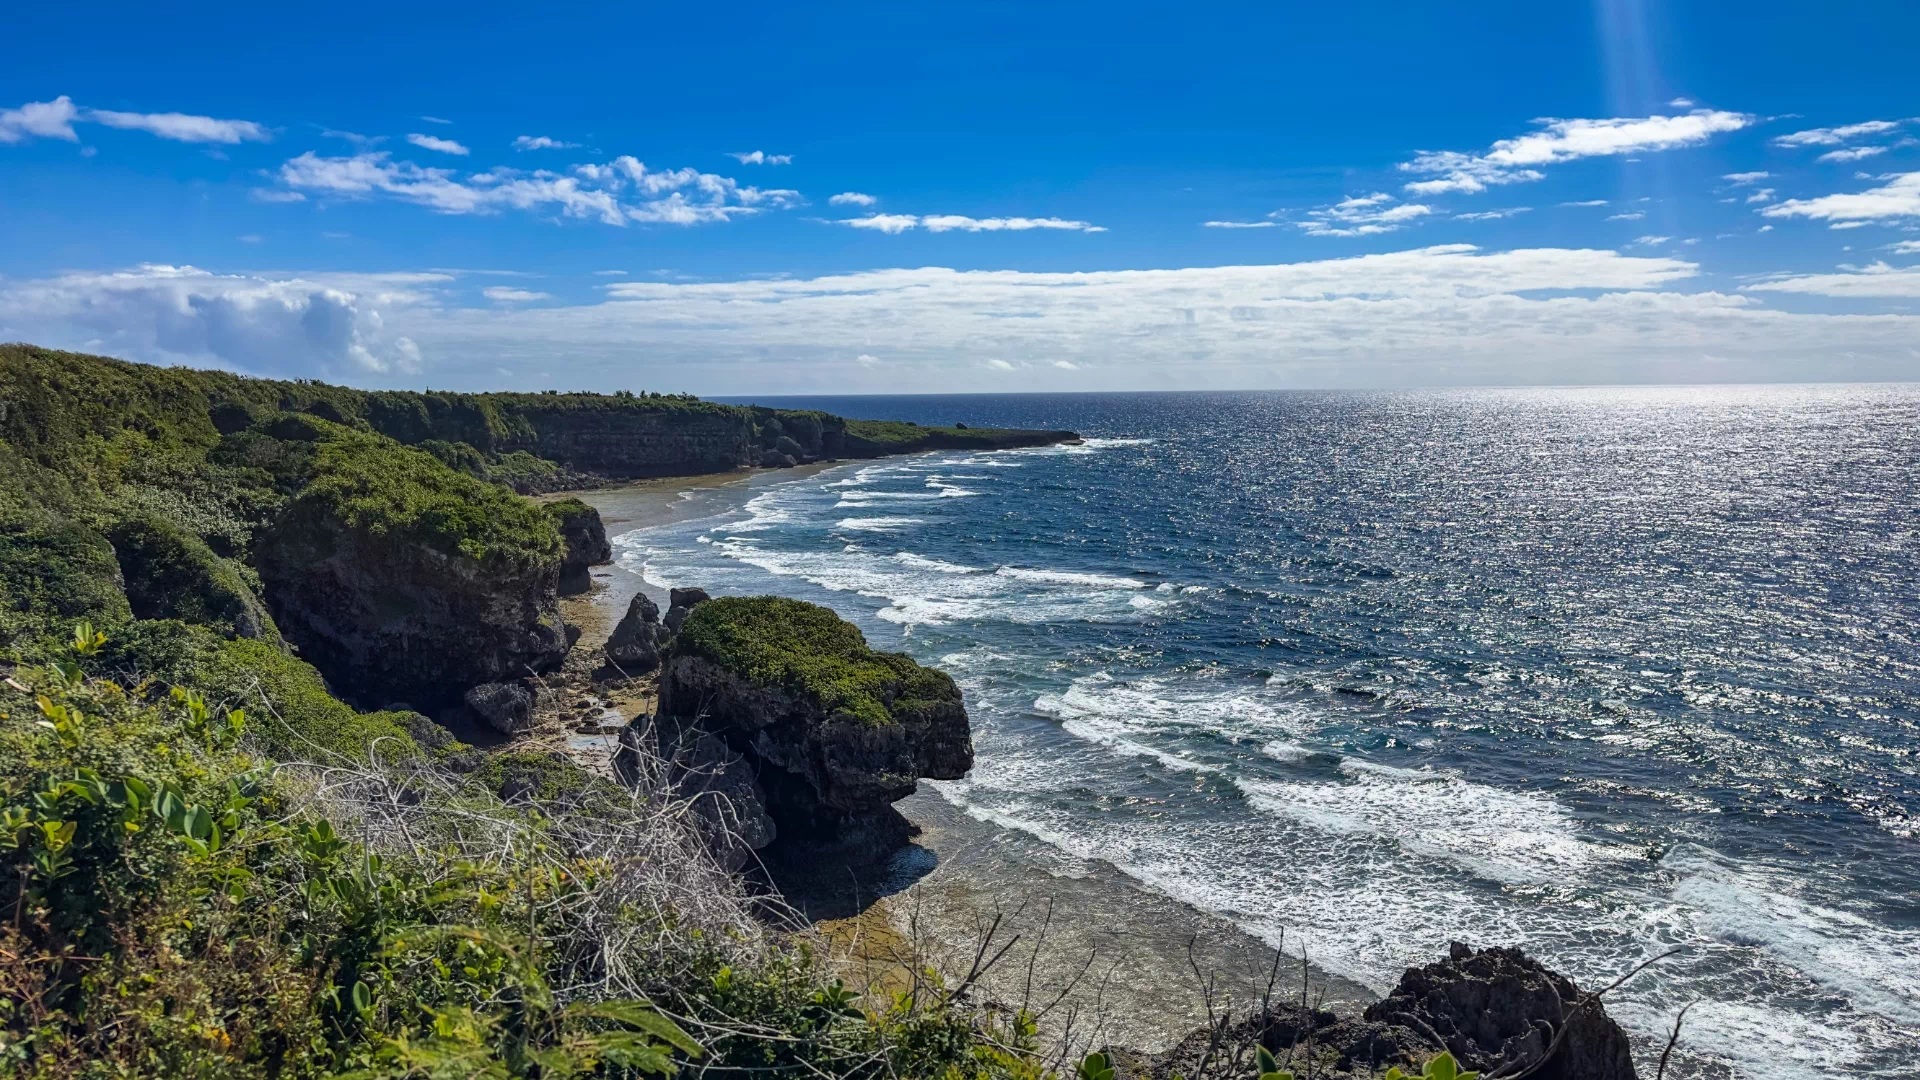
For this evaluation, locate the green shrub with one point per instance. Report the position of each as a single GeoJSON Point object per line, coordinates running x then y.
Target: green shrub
{"type": "Point", "coordinates": [171, 574]}
{"type": "Point", "coordinates": [52, 571]}
{"type": "Point", "coordinates": [813, 654]}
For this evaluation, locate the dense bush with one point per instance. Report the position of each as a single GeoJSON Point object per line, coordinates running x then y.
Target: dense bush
{"type": "Point", "coordinates": [184, 909]}
{"type": "Point", "coordinates": [813, 654]}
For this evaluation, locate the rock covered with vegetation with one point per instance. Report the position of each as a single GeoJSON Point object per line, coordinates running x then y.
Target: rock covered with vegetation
{"type": "Point", "coordinates": [585, 538]}
{"type": "Point", "coordinates": [836, 730]}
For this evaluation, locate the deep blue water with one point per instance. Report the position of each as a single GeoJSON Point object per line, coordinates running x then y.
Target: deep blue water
{"type": "Point", "coordinates": [1594, 671]}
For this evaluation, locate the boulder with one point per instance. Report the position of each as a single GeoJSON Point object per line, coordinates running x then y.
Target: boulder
{"type": "Point", "coordinates": [786, 447]}
{"type": "Point", "coordinates": [1494, 1008]}
{"type": "Point", "coordinates": [586, 539]}
{"type": "Point", "coordinates": [638, 639]}
{"type": "Point", "coordinates": [696, 765]}
{"type": "Point", "coordinates": [507, 707]}
{"type": "Point", "coordinates": [835, 731]}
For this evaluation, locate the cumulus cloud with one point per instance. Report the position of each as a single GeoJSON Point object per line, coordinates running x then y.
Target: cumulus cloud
{"type": "Point", "coordinates": [1898, 197]}
{"type": "Point", "coordinates": [761, 157]}
{"type": "Point", "coordinates": [1066, 365]}
{"type": "Point", "coordinates": [618, 193]}
{"type": "Point", "coordinates": [1905, 247]}
{"type": "Point", "coordinates": [505, 294]}
{"type": "Point", "coordinates": [55, 119]}
{"type": "Point", "coordinates": [1834, 136]}
{"type": "Point", "coordinates": [1451, 313]}
{"type": "Point", "coordinates": [1239, 224]}
{"type": "Point", "coordinates": [1877, 280]}
{"type": "Point", "coordinates": [1857, 153]}
{"type": "Point", "coordinates": [323, 325]}
{"type": "Point", "coordinates": [438, 145]}
{"type": "Point", "coordinates": [1362, 215]}
{"type": "Point", "coordinates": [852, 198]}
{"type": "Point", "coordinates": [895, 224]}
{"type": "Point", "coordinates": [1765, 194]}
{"type": "Point", "coordinates": [541, 142]}
{"type": "Point", "coordinates": [1742, 179]}
{"type": "Point", "coordinates": [1519, 160]}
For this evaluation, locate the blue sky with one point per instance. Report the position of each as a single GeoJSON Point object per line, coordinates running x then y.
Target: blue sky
{"type": "Point", "coordinates": [843, 198]}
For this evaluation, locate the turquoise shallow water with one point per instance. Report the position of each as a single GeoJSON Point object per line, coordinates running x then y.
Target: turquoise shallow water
{"type": "Point", "coordinates": [1598, 672]}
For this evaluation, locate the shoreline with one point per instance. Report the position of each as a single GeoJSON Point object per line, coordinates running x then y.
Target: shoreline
{"type": "Point", "coordinates": [1129, 952]}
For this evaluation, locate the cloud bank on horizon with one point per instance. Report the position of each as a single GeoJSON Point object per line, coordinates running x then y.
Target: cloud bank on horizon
{"type": "Point", "coordinates": [1684, 241]}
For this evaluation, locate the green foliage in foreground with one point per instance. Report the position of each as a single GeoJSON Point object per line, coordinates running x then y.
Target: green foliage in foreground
{"type": "Point", "coordinates": [184, 909]}
{"type": "Point", "coordinates": [813, 654]}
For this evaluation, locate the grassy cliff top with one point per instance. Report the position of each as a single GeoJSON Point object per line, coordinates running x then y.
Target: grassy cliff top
{"type": "Point", "coordinates": [899, 436]}
{"type": "Point", "coordinates": [811, 653]}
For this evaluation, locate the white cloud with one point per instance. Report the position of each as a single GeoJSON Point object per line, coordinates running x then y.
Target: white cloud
{"type": "Point", "coordinates": [320, 325]}
{"type": "Point", "coordinates": [999, 365]}
{"type": "Point", "coordinates": [506, 294]}
{"type": "Point", "coordinates": [435, 120]}
{"type": "Point", "coordinates": [438, 145]}
{"type": "Point", "coordinates": [268, 195]}
{"type": "Point", "coordinates": [1066, 365]}
{"type": "Point", "coordinates": [44, 119]}
{"type": "Point", "coordinates": [1742, 179]}
{"type": "Point", "coordinates": [895, 224]}
{"type": "Point", "coordinates": [1905, 247]}
{"type": "Point", "coordinates": [1630, 215]}
{"type": "Point", "coordinates": [55, 119]}
{"type": "Point", "coordinates": [891, 224]}
{"type": "Point", "coordinates": [1362, 215]}
{"type": "Point", "coordinates": [1680, 103]}
{"type": "Point", "coordinates": [1899, 197]}
{"type": "Point", "coordinates": [1239, 224]}
{"type": "Point", "coordinates": [1857, 153]}
{"type": "Point", "coordinates": [1518, 160]}
{"type": "Point", "coordinates": [1765, 194]}
{"type": "Point", "coordinates": [1651, 241]}
{"type": "Point", "coordinates": [1877, 280]}
{"type": "Point", "coordinates": [1439, 314]}
{"type": "Point", "coordinates": [616, 193]}
{"type": "Point", "coordinates": [1586, 202]}
{"type": "Point", "coordinates": [761, 157]}
{"type": "Point", "coordinates": [1493, 215]}
{"type": "Point", "coordinates": [852, 198]}
{"type": "Point", "coordinates": [181, 127]}
{"type": "Point", "coordinates": [867, 360]}
{"type": "Point", "coordinates": [1764, 228]}
{"type": "Point", "coordinates": [1834, 136]}
{"type": "Point", "coordinates": [541, 142]}
{"type": "Point", "coordinates": [609, 273]}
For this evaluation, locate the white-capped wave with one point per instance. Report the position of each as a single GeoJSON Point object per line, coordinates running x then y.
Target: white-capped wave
{"type": "Point", "coordinates": [1070, 577]}
{"type": "Point", "coordinates": [878, 524]}
{"type": "Point", "coordinates": [921, 562]}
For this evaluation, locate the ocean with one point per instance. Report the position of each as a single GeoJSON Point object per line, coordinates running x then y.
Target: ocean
{"type": "Point", "coordinates": [1596, 672]}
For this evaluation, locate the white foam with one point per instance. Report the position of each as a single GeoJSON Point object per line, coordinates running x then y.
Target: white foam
{"type": "Point", "coordinates": [879, 524]}
{"type": "Point", "coordinates": [1069, 577]}
{"type": "Point", "coordinates": [921, 562]}
{"type": "Point", "coordinates": [1501, 835]}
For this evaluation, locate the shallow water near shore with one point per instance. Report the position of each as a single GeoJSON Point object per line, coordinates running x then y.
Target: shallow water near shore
{"type": "Point", "coordinates": [1594, 672]}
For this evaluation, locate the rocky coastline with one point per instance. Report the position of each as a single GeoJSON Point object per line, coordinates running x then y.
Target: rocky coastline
{"type": "Point", "coordinates": [364, 571]}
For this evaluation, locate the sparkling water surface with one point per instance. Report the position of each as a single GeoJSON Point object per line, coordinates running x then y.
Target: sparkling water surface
{"type": "Point", "coordinates": [1598, 672]}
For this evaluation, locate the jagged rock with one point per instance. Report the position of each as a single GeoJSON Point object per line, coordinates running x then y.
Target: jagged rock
{"type": "Point", "coordinates": [1491, 1008]}
{"type": "Point", "coordinates": [638, 639]}
{"type": "Point", "coordinates": [774, 459]}
{"type": "Point", "coordinates": [681, 601]}
{"type": "Point", "coordinates": [507, 707]}
{"type": "Point", "coordinates": [789, 449]}
{"type": "Point", "coordinates": [586, 540]}
{"type": "Point", "coordinates": [836, 731]}
{"type": "Point", "coordinates": [700, 767]}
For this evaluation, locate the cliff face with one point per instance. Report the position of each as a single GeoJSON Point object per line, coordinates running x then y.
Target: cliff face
{"type": "Point", "coordinates": [632, 444]}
